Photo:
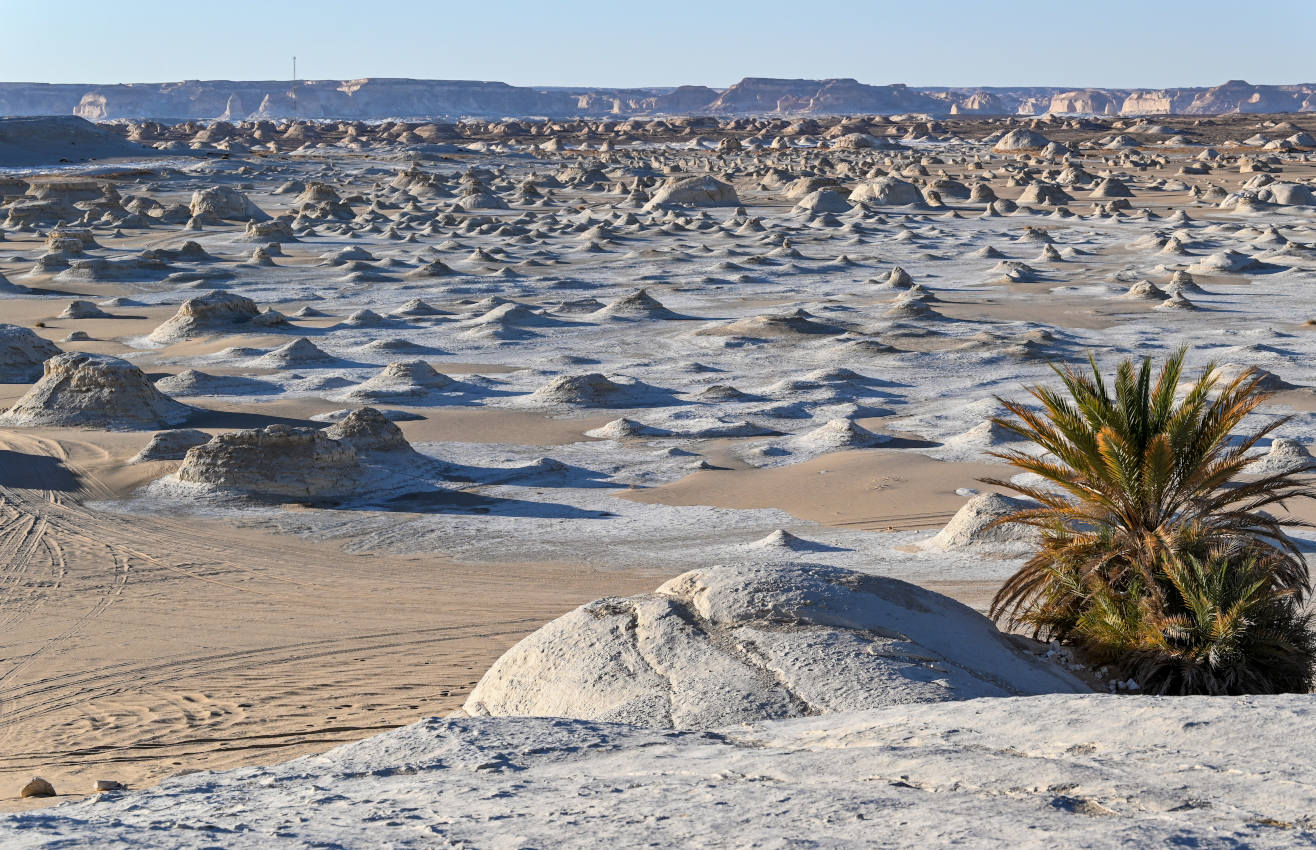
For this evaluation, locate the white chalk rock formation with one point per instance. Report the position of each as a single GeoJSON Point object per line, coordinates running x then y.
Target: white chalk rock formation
{"type": "Point", "coordinates": [738, 644]}
{"type": "Point", "coordinates": [367, 430]}
{"type": "Point", "coordinates": [278, 461]}
{"type": "Point", "coordinates": [887, 191]}
{"type": "Point", "coordinates": [590, 390]}
{"type": "Point", "coordinates": [973, 526]}
{"type": "Point", "coordinates": [82, 309]}
{"type": "Point", "coordinates": [637, 305]}
{"type": "Point", "coordinates": [401, 382]}
{"type": "Point", "coordinates": [1020, 139]}
{"type": "Point", "coordinates": [22, 352]}
{"type": "Point", "coordinates": [825, 200]}
{"type": "Point", "coordinates": [838, 435]}
{"type": "Point", "coordinates": [1284, 456]}
{"type": "Point", "coordinates": [171, 445]}
{"type": "Point", "coordinates": [300, 352]}
{"type": "Point", "coordinates": [224, 203]}
{"type": "Point", "coordinates": [705, 191]}
{"type": "Point", "coordinates": [215, 312]}
{"type": "Point", "coordinates": [94, 391]}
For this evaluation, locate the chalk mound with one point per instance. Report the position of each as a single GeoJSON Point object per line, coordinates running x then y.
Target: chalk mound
{"type": "Point", "coordinates": [367, 430]}
{"type": "Point", "coordinates": [972, 526]}
{"type": "Point", "coordinates": [839, 434]}
{"type": "Point", "coordinates": [407, 380]}
{"type": "Point", "coordinates": [1144, 290]}
{"type": "Point", "coordinates": [799, 323]}
{"type": "Point", "coordinates": [82, 309]}
{"type": "Point", "coordinates": [623, 428]}
{"type": "Point", "coordinates": [591, 390]}
{"type": "Point", "coordinates": [704, 191]}
{"type": "Point", "coordinates": [1111, 187]}
{"type": "Point", "coordinates": [215, 312]}
{"type": "Point", "coordinates": [887, 191]}
{"type": "Point", "coordinates": [1020, 139]}
{"type": "Point", "coordinates": [637, 305]}
{"type": "Point", "coordinates": [51, 139]}
{"type": "Point", "coordinates": [278, 460]}
{"type": "Point", "coordinates": [1284, 456]}
{"type": "Point", "coordinates": [986, 434]}
{"type": "Point", "coordinates": [22, 352]}
{"type": "Point", "coordinates": [299, 352]}
{"type": "Point", "coordinates": [825, 200]}
{"type": "Point", "coordinates": [171, 445]}
{"type": "Point", "coordinates": [94, 391]}
{"type": "Point", "coordinates": [1177, 301]}
{"type": "Point", "coordinates": [195, 382]}
{"type": "Point", "coordinates": [782, 540]}
{"type": "Point", "coordinates": [224, 203]}
{"type": "Point", "coordinates": [739, 644]}
{"type": "Point", "coordinates": [1224, 373]}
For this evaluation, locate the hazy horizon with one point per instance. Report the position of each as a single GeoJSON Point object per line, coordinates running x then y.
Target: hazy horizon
{"type": "Point", "coordinates": [641, 86]}
{"type": "Point", "coordinates": [595, 44]}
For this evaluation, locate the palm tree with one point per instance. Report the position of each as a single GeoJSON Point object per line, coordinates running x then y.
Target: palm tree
{"type": "Point", "coordinates": [1134, 484]}
{"type": "Point", "coordinates": [1225, 630]}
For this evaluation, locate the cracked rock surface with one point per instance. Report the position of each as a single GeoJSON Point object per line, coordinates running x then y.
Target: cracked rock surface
{"type": "Point", "coordinates": [736, 644]}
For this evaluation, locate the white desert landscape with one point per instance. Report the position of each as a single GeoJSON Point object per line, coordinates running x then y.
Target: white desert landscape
{"type": "Point", "coordinates": [422, 463]}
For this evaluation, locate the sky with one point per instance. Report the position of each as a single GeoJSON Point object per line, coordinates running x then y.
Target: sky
{"type": "Point", "coordinates": [626, 43]}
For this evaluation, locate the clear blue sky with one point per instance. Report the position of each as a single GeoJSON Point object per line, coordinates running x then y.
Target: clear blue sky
{"type": "Point", "coordinates": [626, 43]}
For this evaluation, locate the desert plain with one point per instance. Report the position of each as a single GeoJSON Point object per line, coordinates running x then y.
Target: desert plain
{"type": "Point", "coordinates": [309, 423]}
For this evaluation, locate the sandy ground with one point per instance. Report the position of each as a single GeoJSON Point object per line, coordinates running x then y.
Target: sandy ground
{"type": "Point", "coordinates": [134, 648]}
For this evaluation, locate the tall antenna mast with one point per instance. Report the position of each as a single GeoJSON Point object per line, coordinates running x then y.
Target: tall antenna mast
{"type": "Point", "coordinates": [294, 87]}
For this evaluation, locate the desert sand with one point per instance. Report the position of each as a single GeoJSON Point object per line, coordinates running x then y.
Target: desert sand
{"type": "Point", "coordinates": [306, 424]}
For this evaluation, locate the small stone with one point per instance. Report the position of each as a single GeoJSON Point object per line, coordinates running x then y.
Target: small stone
{"type": "Point", "coordinates": [103, 785]}
{"type": "Point", "coordinates": [38, 787]}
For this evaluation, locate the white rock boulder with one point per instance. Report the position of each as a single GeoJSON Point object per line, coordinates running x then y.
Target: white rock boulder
{"type": "Point", "coordinates": [277, 461]}
{"type": "Point", "coordinates": [95, 391]}
{"type": "Point", "coordinates": [887, 191]}
{"type": "Point", "coordinates": [705, 191]}
{"type": "Point", "coordinates": [215, 312]}
{"type": "Point", "coordinates": [738, 644]}
{"type": "Point", "coordinates": [224, 203]}
{"type": "Point", "coordinates": [22, 352]}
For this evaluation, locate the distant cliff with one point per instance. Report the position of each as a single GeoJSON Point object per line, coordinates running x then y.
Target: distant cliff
{"type": "Point", "coordinates": [378, 98]}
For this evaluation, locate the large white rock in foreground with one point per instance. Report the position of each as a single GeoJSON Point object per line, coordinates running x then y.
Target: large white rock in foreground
{"type": "Point", "coordinates": [737, 644]}
{"type": "Point", "coordinates": [1032, 773]}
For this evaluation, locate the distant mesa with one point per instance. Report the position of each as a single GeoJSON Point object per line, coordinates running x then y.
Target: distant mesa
{"type": "Point", "coordinates": [376, 98]}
